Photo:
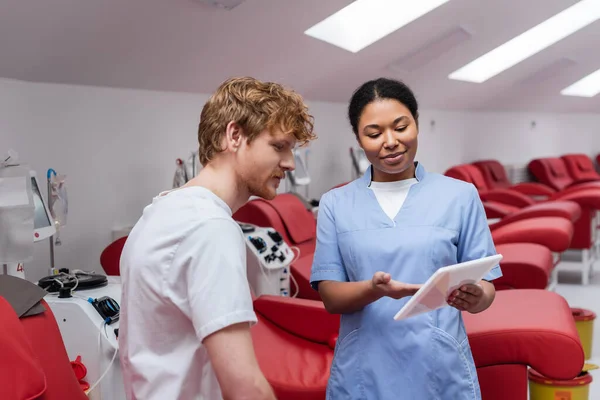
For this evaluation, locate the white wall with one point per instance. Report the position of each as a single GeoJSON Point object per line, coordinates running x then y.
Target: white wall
{"type": "Point", "coordinates": [118, 149]}
{"type": "Point", "coordinates": [516, 138]}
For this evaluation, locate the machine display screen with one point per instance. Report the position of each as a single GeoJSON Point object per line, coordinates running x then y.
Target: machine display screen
{"type": "Point", "coordinates": [41, 219]}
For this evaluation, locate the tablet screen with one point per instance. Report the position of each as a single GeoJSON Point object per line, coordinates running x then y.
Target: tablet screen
{"type": "Point", "coordinates": [434, 293]}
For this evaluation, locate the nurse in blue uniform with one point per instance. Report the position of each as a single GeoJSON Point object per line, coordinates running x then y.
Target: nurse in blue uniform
{"type": "Point", "coordinates": [379, 238]}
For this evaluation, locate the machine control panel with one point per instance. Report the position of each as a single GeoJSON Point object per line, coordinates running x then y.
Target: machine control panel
{"type": "Point", "coordinates": [268, 259]}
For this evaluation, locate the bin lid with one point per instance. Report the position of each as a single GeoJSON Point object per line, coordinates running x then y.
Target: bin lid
{"type": "Point", "coordinates": [580, 314]}
{"type": "Point", "coordinates": [582, 379]}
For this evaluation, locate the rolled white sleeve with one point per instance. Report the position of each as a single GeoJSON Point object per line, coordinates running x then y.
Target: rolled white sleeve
{"type": "Point", "coordinates": [214, 259]}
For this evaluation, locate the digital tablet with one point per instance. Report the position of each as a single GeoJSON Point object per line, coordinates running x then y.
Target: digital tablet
{"type": "Point", "coordinates": [434, 293]}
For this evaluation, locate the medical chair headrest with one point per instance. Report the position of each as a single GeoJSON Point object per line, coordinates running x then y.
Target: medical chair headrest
{"type": "Point", "coordinates": [468, 173]}
{"type": "Point", "coordinates": [299, 222]}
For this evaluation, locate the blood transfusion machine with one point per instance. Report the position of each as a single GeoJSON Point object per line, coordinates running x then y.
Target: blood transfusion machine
{"type": "Point", "coordinates": [434, 293]}
{"type": "Point", "coordinates": [87, 334]}
{"type": "Point", "coordinates": [268, 258]}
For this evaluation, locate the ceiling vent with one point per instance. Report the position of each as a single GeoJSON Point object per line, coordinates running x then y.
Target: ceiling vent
{"type": "Point", "coordinates": [225, 4]}
{"type": "Point", "coordinates": [431, 51]}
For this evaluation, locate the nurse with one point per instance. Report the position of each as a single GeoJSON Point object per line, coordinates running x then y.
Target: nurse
{"type": "Point", "coordinates": [378, 239]}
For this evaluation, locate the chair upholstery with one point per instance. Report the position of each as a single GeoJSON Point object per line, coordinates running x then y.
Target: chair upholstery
{"type": "Point", "coordinates": [472, 174]}
{"type": "Point", "coordinates": [498, 197]}
{"type": "Point", "coordinates": [495, 177]}
{"type": "Point", "coordinates": [552, 232]}
{"type": "Point", "coordinates": [524, 266]}
{"type": "Point", "coordinates": [293, 341]}
{"type": "Point", "coordinates": [42, 334]}
{"type": "Point", "coordinates": [553, 172]}
{"type": "Point", "coordinates": [21, 374]}
{"type": "Point", "coordinates": [580, 167]}
{"type": "Point", "coordinates": [111, 256]}
{"type": "Point", "coordinates": [504, 343]}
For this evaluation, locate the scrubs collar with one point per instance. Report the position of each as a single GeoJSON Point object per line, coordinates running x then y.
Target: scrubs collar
{"type": "Point", "coordinates": [419, 174]}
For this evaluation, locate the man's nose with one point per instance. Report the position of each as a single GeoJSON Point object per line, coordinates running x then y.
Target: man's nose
{"type": "Point", "coordinates": [288, 163]}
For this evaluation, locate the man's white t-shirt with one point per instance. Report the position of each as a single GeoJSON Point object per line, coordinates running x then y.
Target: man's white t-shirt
{"type": "Point", "coordinates": [391, 195]}
{"type": "Point", "coordinates": [183, 270]}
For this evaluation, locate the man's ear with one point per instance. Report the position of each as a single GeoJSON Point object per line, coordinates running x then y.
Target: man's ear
{"type": "Point", "coordinates": [233, 136]}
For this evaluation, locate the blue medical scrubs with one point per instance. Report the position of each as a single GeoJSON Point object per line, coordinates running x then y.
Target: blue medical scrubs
{"type": "Point", "coordinates": [442, 222]}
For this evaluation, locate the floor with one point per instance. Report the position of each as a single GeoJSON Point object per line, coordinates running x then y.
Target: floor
{"type": "Point", "coordinates": [588, 297]}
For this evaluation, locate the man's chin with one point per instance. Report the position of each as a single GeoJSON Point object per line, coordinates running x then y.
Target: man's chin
{"type": "Point", "coordinates": [266, 193]}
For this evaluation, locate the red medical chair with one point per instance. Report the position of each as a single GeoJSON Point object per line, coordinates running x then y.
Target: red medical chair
{"type": "Point", "coordinates": [585, 195]}
{"type": "Point", "coordinates": [503, 202]}
{"type": "Point", "coordinates": [581, 168]}
{"type": "Point", "coordinates": [553, 172]}
{"type": "Point", "coordinates": [34, 362]}
{"type": "Point", "coordinates": [294, 341]}
{"type": "Point", "coordinates": [495, 177]}
{"type": "Point", "coordinates": [523, 328]}
{"type": "Point", "coordinates": [526, 266]}
{"type": "Point", "coordinates": [111, 256]}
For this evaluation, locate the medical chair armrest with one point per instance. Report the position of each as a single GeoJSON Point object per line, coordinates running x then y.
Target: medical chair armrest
{"type": "Point", "coordinates": [307, 319]}
{"type": "Point", "coordinates": [498, 210]}
{"type": "Point", "coordinates": [541, 334]}
{"type": "Point", "coordinates": [524, 266]}
{"type": "Point", "coordinates": [553, 232]}
{"type": "Point", "coordinates": [533, 189]}
{"type": "Point", "coordinates": [506, 196]}
{"type": "Point", "coordinates": [568, 210]}
{"type": "Point", "coordinates": [585, 182]}
{"type": "Point", "coordinates": [586, 198]}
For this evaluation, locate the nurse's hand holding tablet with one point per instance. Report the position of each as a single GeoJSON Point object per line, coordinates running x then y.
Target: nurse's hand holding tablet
{"type": "Point", "coordinates": [386, 286]}
{"type": "Point", "coordinates": [469, 297]}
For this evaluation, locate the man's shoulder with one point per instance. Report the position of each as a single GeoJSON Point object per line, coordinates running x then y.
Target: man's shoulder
{"type": "Point", "coordinates": [175, 218]}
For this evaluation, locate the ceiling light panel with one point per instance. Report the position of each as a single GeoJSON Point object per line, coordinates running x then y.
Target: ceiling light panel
{"type": "Point", "coordinates": [364, 22]}
{"type": "Point", "coordinates": [586, 87]}
{"type": "Point", "coordinates": [530, 42]}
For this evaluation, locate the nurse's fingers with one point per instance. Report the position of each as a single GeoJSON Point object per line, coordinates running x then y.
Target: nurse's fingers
{"type": "Point", "coordinates": [467, 298]}
{"type": "Point", "coordinates": [411, 288]}
{"type": "Point", "coordinates": [381, 277]}
{"type": "Point", "coordinates": [459, 304]}
{"type": "Point", "coordinates": [464, 298]}
{"type": "Point", "coordinates": [475, 290]}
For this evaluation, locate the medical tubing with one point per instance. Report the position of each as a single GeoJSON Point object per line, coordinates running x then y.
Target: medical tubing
{"type": "Point", "coordinates": [290, 272]}
{"type": "Point", "coordinates": [109, 365]}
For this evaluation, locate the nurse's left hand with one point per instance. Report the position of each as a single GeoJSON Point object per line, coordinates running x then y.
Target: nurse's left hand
{"type": "Point", "coordinates": [468, 297]}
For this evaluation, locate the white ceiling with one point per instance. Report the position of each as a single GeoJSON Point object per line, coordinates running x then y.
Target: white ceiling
{"type": "Point", "coordinates": [186, 45]}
